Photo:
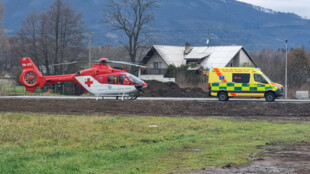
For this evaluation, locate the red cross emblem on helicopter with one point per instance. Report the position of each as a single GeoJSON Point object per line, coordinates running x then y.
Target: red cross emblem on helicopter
{"type": "Point", "coordinates": [89, 82]}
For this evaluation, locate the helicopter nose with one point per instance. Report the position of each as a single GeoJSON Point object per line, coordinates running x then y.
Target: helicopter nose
{"type": "Point", "coordinates": [140, 87]}
{"type": "Point", "coordinates": [144, 85]}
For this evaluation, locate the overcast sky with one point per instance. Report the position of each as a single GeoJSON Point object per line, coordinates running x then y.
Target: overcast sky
{"type": "Point", "coordinates": [300, 7]}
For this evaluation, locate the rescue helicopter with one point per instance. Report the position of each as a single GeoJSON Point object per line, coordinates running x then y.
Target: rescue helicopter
{"type": "Point", "coordinates": [100, 80]}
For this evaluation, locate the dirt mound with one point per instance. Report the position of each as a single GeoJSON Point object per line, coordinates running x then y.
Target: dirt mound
{"type": "Point", "coordinates": [171, 89]}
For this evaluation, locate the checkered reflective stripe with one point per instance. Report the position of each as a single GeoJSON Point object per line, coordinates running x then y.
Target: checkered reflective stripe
{"type": "Point", "coordinates": [241, 87]}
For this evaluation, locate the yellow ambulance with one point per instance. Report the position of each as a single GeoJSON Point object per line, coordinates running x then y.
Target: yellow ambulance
{"type": "Point", "coordinates": [242, 82]}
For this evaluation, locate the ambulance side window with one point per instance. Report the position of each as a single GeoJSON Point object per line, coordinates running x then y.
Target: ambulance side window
{"type": "Point", "coordinates": [259, 78]}
{"type": "Point", "coordinates": [241, 78]}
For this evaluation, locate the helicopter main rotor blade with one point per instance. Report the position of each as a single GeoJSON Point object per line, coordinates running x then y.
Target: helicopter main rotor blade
{"type": "Point", "coordinates": [100, 61]}
{"type": "Point", "coordinates": [67, 63]}
{"type": "Point", "coordinates": [126, 63]}
{"type": "Point", "coordinates": [74, 62]}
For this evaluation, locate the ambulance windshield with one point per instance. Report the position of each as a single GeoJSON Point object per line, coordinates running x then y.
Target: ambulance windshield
{"type": "Point", "coordinates": [267, 78]}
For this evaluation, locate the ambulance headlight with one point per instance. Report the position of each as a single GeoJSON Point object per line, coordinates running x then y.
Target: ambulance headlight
{"type": "Point", "coordinates": [280, 89]}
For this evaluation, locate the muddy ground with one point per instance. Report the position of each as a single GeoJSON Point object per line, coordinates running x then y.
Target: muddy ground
{"type": "Point", "coordinates": [275, 159]}
{"type": "Point", "coordinates": [236, 109]}
{"type": "Point", "coordinates": [170, 89]}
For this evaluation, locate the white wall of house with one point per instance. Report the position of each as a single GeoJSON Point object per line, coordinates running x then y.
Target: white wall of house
{"type": "Point", "coordinates": [234, 62]}
{"type": "Point", "coordinates": [156, 58]}
{"type": "Point", "coordinates": [157, 77]}
{"type": "Point", "coordinates": [240, 60]}
{"type": "Point", "coordinates": [244, 59]}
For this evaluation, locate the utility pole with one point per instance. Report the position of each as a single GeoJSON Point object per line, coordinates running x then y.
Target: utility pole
{"type": "Point", "coordinates": [208, 39]}
{"type": "Point", "coordinates": [89, 49]}
{"type": "Point", "coordinates": [286, 70]}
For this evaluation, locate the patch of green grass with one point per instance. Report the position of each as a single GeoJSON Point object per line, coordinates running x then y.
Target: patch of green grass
{"type": "Point", "coordinates": [19, 90]}
{"type": "Point", "coordinates": [33, 143]}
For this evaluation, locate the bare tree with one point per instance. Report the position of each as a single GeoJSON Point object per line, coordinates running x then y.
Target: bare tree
{"type": "Point", "coordinates": [132, 17]}
{"type": "Point", "coordinates": [2, 32]}
{"type": "Point", "coordinates": [3, 41]}
{"type": "Point", "coordinates": [35, 40]}
{"type": "Point", "coordinates": [111, 52]}
{"type": "Point", "coordinates": [44, 41]}
{"type": "Point", "coordinates": [271, 62]}
{"type": "Point", "coordinates": [298, 66]}
{"type": "Point", "coordinates": [67, 31]}
{"type": "Point", "coordinates": [52, 37]}
{"type": "Point", "coordinates": [29, 34]}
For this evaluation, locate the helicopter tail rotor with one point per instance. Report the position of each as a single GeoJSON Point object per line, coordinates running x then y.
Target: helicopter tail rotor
{"type": "Point", "coordinates": [31, 77]}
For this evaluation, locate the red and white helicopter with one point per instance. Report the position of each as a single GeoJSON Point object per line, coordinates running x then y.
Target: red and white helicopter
{"type": "Point", "coordinates": [100, 80]}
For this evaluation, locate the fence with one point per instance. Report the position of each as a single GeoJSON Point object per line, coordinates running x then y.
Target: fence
{"type": "Point", "coordinates": [153, 71]}
{"type": "Point", "coordinates": [57, 89]}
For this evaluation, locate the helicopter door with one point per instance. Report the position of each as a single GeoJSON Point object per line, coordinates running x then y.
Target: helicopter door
{"type": "Point", "coordinates": [113, 79]}
{"type": "Point", "coordinates": [123, 80]}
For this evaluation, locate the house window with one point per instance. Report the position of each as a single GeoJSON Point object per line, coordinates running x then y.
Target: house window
{"type": "Point", "coordinates": [158, 65]}
{"type": "Point", "coordinates": [190, 61]}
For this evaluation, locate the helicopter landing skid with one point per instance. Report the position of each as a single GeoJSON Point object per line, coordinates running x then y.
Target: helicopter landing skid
{"type": "Point", "coordinates": [134, 96]}
{"type": "Point", "coordinates": [124, 96]}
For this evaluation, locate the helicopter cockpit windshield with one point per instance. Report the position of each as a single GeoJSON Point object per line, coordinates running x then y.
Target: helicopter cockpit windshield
{"type": "Point", "coordinates": [135, 80]}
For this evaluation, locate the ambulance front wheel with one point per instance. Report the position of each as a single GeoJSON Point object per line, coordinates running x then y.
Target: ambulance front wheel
{"type": "Point", "coordinates": [223, 96]}
{"type": "Point", "coordinates": [270, 96]}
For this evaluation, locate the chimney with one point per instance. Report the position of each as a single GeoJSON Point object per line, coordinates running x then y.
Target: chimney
{"type": "Point", "coordinates": [187, 48]}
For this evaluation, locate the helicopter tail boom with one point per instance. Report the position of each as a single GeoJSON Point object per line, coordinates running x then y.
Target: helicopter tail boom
{"type": "Point", "coordinates": [31, 77]}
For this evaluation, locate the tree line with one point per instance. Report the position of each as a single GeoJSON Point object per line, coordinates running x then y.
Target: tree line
{"type": "Point", "coordinates": [60, 35]}
{"type": "Point", "coordinates": [50, 37]}
{"type": "Point", "coordinates": [272, 63]}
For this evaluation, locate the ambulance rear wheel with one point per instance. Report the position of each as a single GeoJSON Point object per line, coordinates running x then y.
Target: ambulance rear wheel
{"type": "Point", "coordinates": [270, 96]}
{"type": "Point", "coordinates": [223, 96]}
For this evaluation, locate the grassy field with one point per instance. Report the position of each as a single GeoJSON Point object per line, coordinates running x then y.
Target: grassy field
{"type": "Point", "coordinates": [33, 143]}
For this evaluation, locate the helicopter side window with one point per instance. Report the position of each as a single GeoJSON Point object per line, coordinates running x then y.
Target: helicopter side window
{"type": "Point", "coordinates": [112, 80]}
{"type": "Point", "coordinates": [100, 79]}
{"type": "Point", "coordinates": [123, 80]}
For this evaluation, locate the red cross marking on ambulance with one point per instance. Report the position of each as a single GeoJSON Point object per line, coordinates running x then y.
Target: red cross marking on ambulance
{"type": "Point", "coordinates": [88, 82]}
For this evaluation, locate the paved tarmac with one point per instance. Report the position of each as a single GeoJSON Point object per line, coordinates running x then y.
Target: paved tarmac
{"type": "Point", "coordinates": [151, 98]}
